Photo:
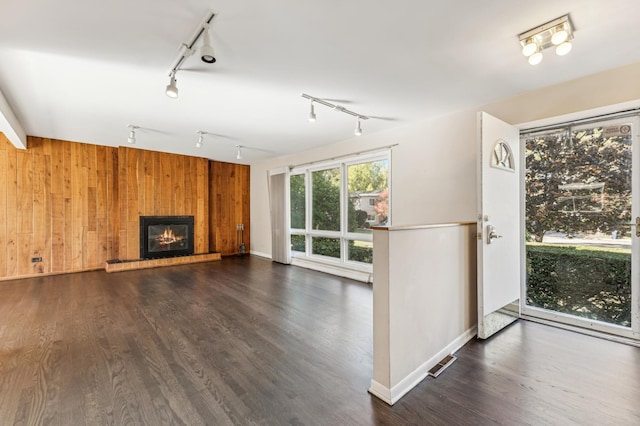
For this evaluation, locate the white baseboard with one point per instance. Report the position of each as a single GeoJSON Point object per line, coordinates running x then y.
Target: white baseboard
{"type": "Point", "coordinates": [380, 391]}
{"type": "Point", "coordinates": [391, 396]}
{"type": "Point", "coordinates": [337, 270]}
{"type": "Point", "coordinates": [258, 253]}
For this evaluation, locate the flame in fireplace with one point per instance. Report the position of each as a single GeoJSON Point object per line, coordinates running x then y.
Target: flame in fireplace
{"type": "Point", "coordinates": [168, 237]}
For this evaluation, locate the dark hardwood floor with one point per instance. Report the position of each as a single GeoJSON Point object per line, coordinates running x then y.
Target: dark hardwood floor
{"type": "Point", "coordinates": [247, 341]}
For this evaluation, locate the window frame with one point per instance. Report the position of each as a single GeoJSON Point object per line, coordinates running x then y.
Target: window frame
{"type": "Point", "coordinates": [343, 235]}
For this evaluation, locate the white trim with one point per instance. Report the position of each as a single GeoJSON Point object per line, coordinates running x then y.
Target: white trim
{"type": "Point", "coordinates": [577, 322]}
{"type": "Point", "coordinates": [380, 391]}
{"type": "Point", "coordinates": [260, 254]}
{"type": "Point", "coordinates": [333, 269]}
{"type": "Point", "coordinates": [277, 171]}
{"type": "Point", "coordinates": [580, 115]}
{"type": "Point", "coordinates": [581, 330]}
{"type": "Point", "coordinates": [358, 157]}
{"type": "Point", "coordinates": [391, 396]}
{"type": "Point", "coordinates": [10, 125]}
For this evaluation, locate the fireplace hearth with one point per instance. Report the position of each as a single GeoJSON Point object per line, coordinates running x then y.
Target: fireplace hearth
{"type": "Point", "coordinates": [166, 236]}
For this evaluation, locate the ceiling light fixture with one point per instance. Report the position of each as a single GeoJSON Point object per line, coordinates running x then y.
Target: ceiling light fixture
{"type": "Point", "coordinates": [172, 89]}
{"type": "Point", "coordinates": [239, 153]}
{"type": "Point", "coordinates": [207, 54]}
{"type": "Point", "coordinates": [339, 108]}
{"type": "Point", "coordinates": [200, 138]}
{"type": "Point", "coordinates": [358, 131]}
{"type": "Point", "coordinates": [557, 33]}
{"type": "Point", "coordinates": [132, 133]}
{"type": "Point", "coordinates": [312, 113]}
{"type": "Point", "coordinates": [186, 49]}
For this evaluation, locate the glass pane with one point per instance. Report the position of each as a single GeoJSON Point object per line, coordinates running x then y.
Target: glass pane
{"type": "Point", "coordinates": [297, 243]}
{"type": "Point", "coordinates": [368, 195]}
{"type": "Point", "coordinates": [578, 206]}
{"type": "Point", "coordinates": [326, 246]}
{"type": "Point", "coordinates": [361, 251]}
{"type": "Point", "coordinates": [298, 212]}
{"type": "Point", "coordinates": [326, 199]}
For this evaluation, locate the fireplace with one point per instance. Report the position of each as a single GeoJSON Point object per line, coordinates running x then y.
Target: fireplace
{"type": "Point", "coordinates": [165, 236]}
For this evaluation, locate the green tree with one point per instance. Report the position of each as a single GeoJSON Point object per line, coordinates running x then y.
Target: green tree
{"type": "Point", "coordinates": [326, 199]}
{"type": "Point", "coordinates": [368, 177]}
{"type": "Point", "coordinates": [297, 196]}
{"type": "Point", "coordinates": [579, 157]}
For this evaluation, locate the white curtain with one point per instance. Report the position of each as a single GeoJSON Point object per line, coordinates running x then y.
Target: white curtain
{"type": "Point", "coordinates": [278, 205]}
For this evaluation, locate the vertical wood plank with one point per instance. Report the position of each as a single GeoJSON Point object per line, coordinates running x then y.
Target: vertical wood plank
{"type": "Point", "coordinates": [25, 211]}
{"type": "Point", "coordinates": [4, 206]}
{"type": "Point", "coordinates": [68, 206]}
{"type": "Point", "coordinates": [12, 211]}
{"type": "Point", "coordinates": [40, 235]}
{"type": "Point", "coordinates": [113, 195]}
{"type": "Point", "coordinates": [78, 199]}
{"type": "Point", "coordinates": [57, 206]}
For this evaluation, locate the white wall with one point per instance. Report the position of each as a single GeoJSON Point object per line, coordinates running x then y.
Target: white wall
{"type": "Point", "coordinates": [424, 302]}
{"type": "Point", "coordinates": [434, 166]}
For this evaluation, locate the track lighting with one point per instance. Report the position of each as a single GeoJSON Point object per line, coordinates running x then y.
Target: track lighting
{"type": "Point", "coordinates": [557, 33]}
{"type": "Point", "coordinates": [186, 49]}
{"type": "Point", "coordinates": [200, 139]}
{"type": "Point", "coordinates": [312, 113]}
{"type": "Point", "coordinates": [132, 134]}
{"type": "Point", "coordinates": [172, 89]}
{"type": "Point", "coordinates": [339, 108]}
{"type": "Point", "coordinates": [239, 153]}
{"type": "Point", "coordinates": [207, 54]}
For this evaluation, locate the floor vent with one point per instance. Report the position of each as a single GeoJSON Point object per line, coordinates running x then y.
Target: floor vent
{"type": "Point", "coordinates": [442, 365]}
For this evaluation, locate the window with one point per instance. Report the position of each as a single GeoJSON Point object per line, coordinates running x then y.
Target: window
{"type": "Point", "coordinates": [298, 208]}
{"type": "Point", "coordinates": [333, 207]}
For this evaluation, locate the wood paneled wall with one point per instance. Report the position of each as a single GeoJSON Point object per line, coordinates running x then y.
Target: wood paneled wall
{"type": "Point", "coordinates": [230, 194]}
{"type": "Point", "coordinates": [156, 183]}
{"type": "Point", "coordinates": [77, 205]}
{"type": "Point", "coordinates": [58, 201]}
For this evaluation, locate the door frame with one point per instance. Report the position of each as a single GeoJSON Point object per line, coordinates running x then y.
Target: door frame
{"type": "Point", "coordinates": [601, 329]}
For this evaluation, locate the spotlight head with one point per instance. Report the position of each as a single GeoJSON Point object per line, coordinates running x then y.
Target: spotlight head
{"type": "Point", "coordinates": [172, 89]}
{"type": "Point", "coordinates": [563, 48]}
{"type": "Point", "coordinates": [536, 58]}
{"type": "Point", "coordinates": [239, 153]}
{"type": "Point", "coordinates": [207, 54]}
{"type": "Point", "coordinates": [559, 36]}
{"type": "Point", "coordinates": [530, 47]}
{"type": "Point", "coordinates": [132, 133]}
{"type": "Point", "coordinates": [358, 130]}
{"type": "Point", "coordinates": [312, 114]}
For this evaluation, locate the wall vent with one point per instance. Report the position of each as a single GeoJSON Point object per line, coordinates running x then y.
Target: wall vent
{"type": "Point", "coordinates": [442, 365]}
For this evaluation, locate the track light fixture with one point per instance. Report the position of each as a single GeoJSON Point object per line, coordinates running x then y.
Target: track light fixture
{"type": "Point", "coordinates": [312, 113]}
{"type": "Point", "coordinates": [172, 89]}
{"type": "Point", "coordinates": [358, 131]}
{"type": "Point", "coordinates": [557, 33]}
{"type": "Point", "coordinates": [186, 49]}
{"type": "Point", "coordinates": [339, 108]}
{"type": "Point", "coordinates": [239, 153]}
{"type": "Point", "coordinates": [200, 138]}
{"type": "Point", "coordinates": [132, 133]}
{"type": "Point", "coordinates": [207, 54]}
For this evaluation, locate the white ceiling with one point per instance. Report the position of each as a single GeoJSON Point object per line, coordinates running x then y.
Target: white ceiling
{"type": "Point", "coordinates": [82, 70]}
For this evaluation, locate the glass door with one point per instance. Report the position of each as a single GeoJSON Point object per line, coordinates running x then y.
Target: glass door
{"type": "Point", "coordinates": [581, 219]}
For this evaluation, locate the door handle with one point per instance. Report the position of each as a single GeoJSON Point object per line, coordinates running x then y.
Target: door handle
{"type": "Point", "coordinates": [491, 234]}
